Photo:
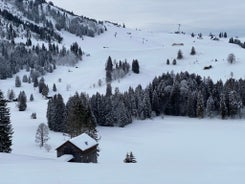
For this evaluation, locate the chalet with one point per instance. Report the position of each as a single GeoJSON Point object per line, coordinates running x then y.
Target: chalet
{"type": "Point", "coordinates": [81, 149]}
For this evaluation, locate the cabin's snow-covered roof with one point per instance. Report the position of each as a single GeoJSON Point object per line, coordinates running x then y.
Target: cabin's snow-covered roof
{"type": "Point", "coordinates": [83, 141]}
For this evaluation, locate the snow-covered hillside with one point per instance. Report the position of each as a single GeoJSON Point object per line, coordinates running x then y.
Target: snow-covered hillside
{"type": "Point", "coordinates": [173, 150]}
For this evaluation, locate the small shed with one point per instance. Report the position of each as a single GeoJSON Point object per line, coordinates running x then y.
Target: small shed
{"type": "Point", "coordinates": [83, 149]}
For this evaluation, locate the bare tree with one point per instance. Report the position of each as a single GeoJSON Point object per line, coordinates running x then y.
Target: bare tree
{"type": "Point", "coordinates": [231, 58]}
{"type": "Point", "coordinates": [42, 134]}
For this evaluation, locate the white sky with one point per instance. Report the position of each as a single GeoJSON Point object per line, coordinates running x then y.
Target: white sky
{"type": "Point", "coordinates": [165, 15]}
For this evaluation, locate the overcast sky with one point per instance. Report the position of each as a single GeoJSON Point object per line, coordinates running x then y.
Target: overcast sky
{"type": "Point", "coordinates": [164, 15]}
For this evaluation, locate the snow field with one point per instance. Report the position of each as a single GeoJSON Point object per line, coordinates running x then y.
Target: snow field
{"type": "Point", "coordinates": [173, 150]}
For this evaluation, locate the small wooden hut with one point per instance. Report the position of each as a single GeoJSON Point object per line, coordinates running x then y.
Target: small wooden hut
{"type": "Point", "coordinates": [82, 148]}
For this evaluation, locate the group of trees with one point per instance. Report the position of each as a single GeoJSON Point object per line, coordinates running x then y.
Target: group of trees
{"type": "Point", "coordinates": [130, 158]}
{"type": "Point", "coordinates": [237, 42]}
{"type": "Point", "coordinates": [222, 35]}
{"type": "Point", "coordinates": [180, 94]}
{"type": "Point", "coordinates": [181, 56]}
{"type": "Point", "coordinates": [116, 70]}
{"type": "Point", "coordinates": [38, 60]}
{"type": "Point", "coordinates": [74, 117]}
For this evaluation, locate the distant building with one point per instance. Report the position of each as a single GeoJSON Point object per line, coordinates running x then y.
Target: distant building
{"type": "Point", "coordinates": [81, 149]}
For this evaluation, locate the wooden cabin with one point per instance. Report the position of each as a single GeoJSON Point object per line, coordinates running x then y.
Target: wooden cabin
{"type": "Point", "coordinates": [81, 149]}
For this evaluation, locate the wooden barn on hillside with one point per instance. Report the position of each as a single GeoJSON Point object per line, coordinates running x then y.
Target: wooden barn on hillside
{"type": "Point", "coordinates": [81, 149]}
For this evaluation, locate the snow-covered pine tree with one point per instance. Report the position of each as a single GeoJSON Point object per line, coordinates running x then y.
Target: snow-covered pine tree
{"type": "Point", "coordinates": [234, 103]}
{"type": "Point", "coordinates": [54, 88]}
{"type": "Point", "coordinates": [11, 94]}
{"type": "Point", "coordinates": [56, 114]}
{"type": "Point", "coordinates": [132, 102]}
{"type": "Point", "coordinates": [193, 51]}
{"type": "Point", "coordinates": [6, 130]}
{"type": "Point", "coordinates": [135, 66]}
{"type": "Point", "coordinates": [31, 98]}
{"type": "Point", "coordinates": [210, 107]}
{"type": "Point", "coordinates": [180, 55]}
{"type": "Point", "coordinates": [223, 106]}
{"type": "Point", "coordinates": [155, 103]}
{"type": "Point", "coordinates": [121, 114]}
{"type": "Point", "coordinates": [108, 90]}
{"type": "Point", "coordinates": [22, 101]}
{"type": "Point", "coordinates": [192, 104]}
{"type": "Point", "coordinates": [200, 105]}
{"type": "Point", "coordinates": [17, 81]}
{"type": "Point", "coordinates": [139, 96]}
{"type": "Point", "coordinates": [147, 111]}
{"type": "Point", "coordinates": [132, 157]}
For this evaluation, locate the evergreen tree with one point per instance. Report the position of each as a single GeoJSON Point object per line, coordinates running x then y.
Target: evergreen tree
{"type": "Point", "coordinates": [22, 101]}
{"type": "Point", "coordinates": [146, 106]}
{"type": "Point", "coordinates": [210, 107]}
{"type": "Point", "coordinates": [17, 81]}
{"type": "Point", "coordinates": [180, 55]}
{"type": "Point", "coordinates": [132, 157]}
{"type": "Point", "coordinates": [41, 85]}
{"type": "Point", "coordinates": [25, 79]}
{"type": "Point", "coordinates": [54, 88]}
{"type": "Point", "coordinates": [234, 103]}
{"type": "Point", "coordinates": [120, 113]}
{"type": "Point", "coordinates": [200, 105]}
{"type": "Point", "coordinates": [6, 130]}
{"type": "Point", "coordinates": [108, 77]}
{"type": "Point", "coordinates": [193, 51]}
{"type": "Point", "coordinates": [45, 90]}
{"type": "Point", "coordinates": [11, 94]}
{"type": "Point", "coordinates": [109, 69]}
{"type": "Point", "coordinates": [35, 82]}
{"type": "Point", "coordinates": [174, 62]}
{"type": "Point", "coordinates": [135, 66]}
{"type": "Point", "coordinates": [109, 65]}
{"type": "Point", "coordinates": [31, 98]}
{"type": "Point", "coordinates": [56, 114]}
{"type": "Point", "coordinates": [108, 90]}
{"type": "Point", "coordinates": [225, 35]}
{"type": "Point", "coordinates": [192, 104]}
{"type": "Point", "coordinates": [155, 103]}
{"type": "Point", "coordinates": [168, 62]}
{"type": "Point", "coordinates": [223, 107]}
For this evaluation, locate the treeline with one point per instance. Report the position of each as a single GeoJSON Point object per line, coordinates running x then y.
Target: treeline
{"type": "Point", "coordinates": [117, 70]}
{"type": "Point", "coordinates": [37, 59]}
{"type": "Point", "coordinates": [180, 94]}
{"type": "Point", "coordinates": [237, 42]}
